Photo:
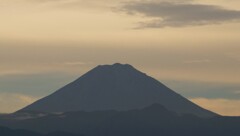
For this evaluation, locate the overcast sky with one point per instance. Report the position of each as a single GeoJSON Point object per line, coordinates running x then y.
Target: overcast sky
{"type": "Point", "coordinates": [192, 46]}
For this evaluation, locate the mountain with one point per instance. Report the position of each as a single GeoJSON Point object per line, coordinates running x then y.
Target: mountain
{"type": "Point", "coordinates": [115, 87]}
{"type": "Point", "coordinates": [154, 120]}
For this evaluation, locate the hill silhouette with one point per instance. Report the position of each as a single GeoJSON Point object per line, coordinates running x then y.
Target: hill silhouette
{"type": "Point", "coordinates": [154, 120]}
{"type": "Point", "coordinates": [20, 132]}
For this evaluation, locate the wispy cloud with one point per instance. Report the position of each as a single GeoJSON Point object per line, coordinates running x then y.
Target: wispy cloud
{"type": "Point", "coordinates": [222, 106]}
{"type": "Point", "coordinates": [210, 90]}
{"type": "Point", "coordinates": [197, 61]}
{"type": "Point", "coordinates": [10, 102]}
{"type": "Point", "coordinates": [75, 4]}
{"type": "Point", "coordinates": [176, 14]}
{"type": "Point", "coordinates": [12, 72]}
{"type": "Point", "coordinates": [76, 63]}
{"type": "Point", "coordinates": [234, 56]}
{"type": "Point", "coordinates": [43, 68]}
{"type": "Point", "coordinates": [237, 92]}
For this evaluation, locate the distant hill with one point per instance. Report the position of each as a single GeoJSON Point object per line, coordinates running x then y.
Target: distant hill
{"type": "Point", "coordinates": [115, 87]}
{"type": "Point", "coordinates": [154, 120]}
{"type": "Point", "coordinates": [20, 132]}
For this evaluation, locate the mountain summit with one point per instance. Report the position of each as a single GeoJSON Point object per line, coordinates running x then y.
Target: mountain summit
{"type": "Point", "coordinates": [115, 87]}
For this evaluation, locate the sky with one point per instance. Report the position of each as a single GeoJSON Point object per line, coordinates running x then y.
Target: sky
{"type": "Point", "coordinates": [192, 46]}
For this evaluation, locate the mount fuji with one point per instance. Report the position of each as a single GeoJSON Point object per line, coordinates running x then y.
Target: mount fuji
{"type": "Point", "coordinates": [118, 87]}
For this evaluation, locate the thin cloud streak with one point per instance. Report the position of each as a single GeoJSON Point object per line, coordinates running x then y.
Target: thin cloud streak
{"type": "Point", "coordinates": [14, 101]}
{"type": "Point", "coordinates": [197, 61]}
{"type": "Point", "coordinates": [224, 107]}
{"type": "Point", "coordinates": [175, 14]}
{"type": "Point", "coordinates": [237, 92]}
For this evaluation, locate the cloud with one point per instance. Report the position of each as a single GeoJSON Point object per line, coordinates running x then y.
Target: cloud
{"type": "Point", "coordinates": [12, 72]}
{"type": "Point", "coordinates": [38, 84]}
{"type": "Point", "coordinates": [234, 56]}
{"type": "Point", "coordinates": [10, 102]}
{"type": "Point", "coordinates": [221, 106]}
{"type": "Point", "coordinates": [180, 14]}
{"type": "Point", "coordinates": [237, 92]}
{"type": "Point", "coordinates": [197, 61]}
{"type": "Point", "coordinates": [210, 90]}
{"type": "Point", "coordinates": [76, 63]}
{"type": "Point", "coordinates": [76, 4]}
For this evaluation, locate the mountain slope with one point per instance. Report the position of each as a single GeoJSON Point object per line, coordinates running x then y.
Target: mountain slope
{"type": "Point", "coordinates": [115, 87]}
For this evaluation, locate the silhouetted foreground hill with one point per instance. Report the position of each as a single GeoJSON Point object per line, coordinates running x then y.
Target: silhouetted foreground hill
{"type": "Point", "coordinates": [20, 132]}
{"type": "Point", "coordinates": [154, 120]}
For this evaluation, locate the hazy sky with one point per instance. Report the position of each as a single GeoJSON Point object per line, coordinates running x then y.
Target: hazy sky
{"type": "Point", "coordinates": [192, 46]}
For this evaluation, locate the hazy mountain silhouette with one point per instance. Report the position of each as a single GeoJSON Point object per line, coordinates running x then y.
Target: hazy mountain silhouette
{"type": "Point", "coordinates": [154, 120]}
{"type": "Point", "coordinates": [116, 100]}
{"type": "Point", "coordinates": [115, 87]}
